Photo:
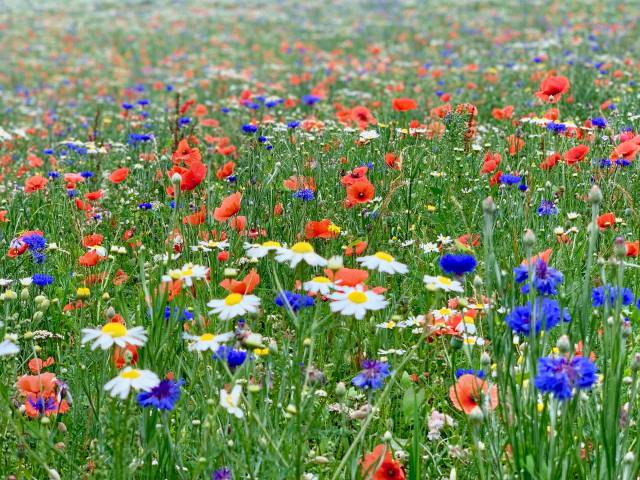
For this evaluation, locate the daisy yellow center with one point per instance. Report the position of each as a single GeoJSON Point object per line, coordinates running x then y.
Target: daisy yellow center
{"type": "Point", "coordinates": [114, 330]}
{"type": "Point", "coordinates": [233, 299]}
{"type": "Point", "coordinates": [187, 273]}
{"type": "Point", "coordinates": [302, 247]}
{"type": "Point", "coordinates": [270, 244]}
{"type": "Point", "coordinates": [357, 297]}
{"type": "Point", "coordinates": [384, 256]}
{"type": "Point", "coordinates": [207, 337]}
{"type": "Point", "coordinates": [321, 280]}
{"type": "Point", "coordinates": [229, 400]}
{"type": "Point", "coordinates": [130, 375]}
{"type": "Point", "coordinates": [445, 280]}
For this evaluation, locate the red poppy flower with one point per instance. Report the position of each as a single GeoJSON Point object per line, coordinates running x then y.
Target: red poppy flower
{"type": "Point", "coordinates": [576, 154]}
{"type": "Point", "coordinates": [43, 383]}
{"type": "Point", "coordinates": [354, 176]}
{"type": "Point", "coordinates": [319, 229]}
{"type": "Point", "coordinates": [89, 259]}
{"type": "Point", "coordinates": [244, 286]}
{"type": "Point", "coordinates": [226, 170]}
{"type": "Point", "coordinates": [632, 248]}
{"type": "Point", "coordinates": [186, 154]}
{"type": "Point", "coordinates": [393, 161]}
{"type": "Point", "coordinates": [490, 163]}
{"type": "Point", "coordinates": [196, 218]}
{"type": "Point", "coordinates": [357, 249]}
{"type": "Point", "coordinates": [502, 113]}
{"type": "Point", "coordinates": [228, 208]}
{"type": "Point", "coordinates": [194, 176]}
{"type": "Point", "coordinates": [550, 162]}
{"type": "Point", "coordinates": [93, 196]}
{"type": "Point", "coordinates": [360, 192]}
{"type": "Point", "coordinates": [294, 183]}
{"type": "Point", "coordinates": [552, 88]}
{"type": "Point", "coordinates": [515, 144]}
{"type": "Point", "coordinates": [361, 115]}
{"type": "Point", "coordinates": [92, 240]}
{"type": "Point", "coordinates": [35, 183]}
{"type": "Point", "coordinates": [347, 277]}
{"type": "Point", "coordinates": [403, 104]}
{"type": "Point", "coordinates": [467, 393]}
{"type": "Point", "coordinates": [626, 150]}
{"type": "Point", "coordinates": [606, 220]}
{"type": "Point", "coordinates": [119, 175]}
{"type": "Point", "coordinates": [380, 465]}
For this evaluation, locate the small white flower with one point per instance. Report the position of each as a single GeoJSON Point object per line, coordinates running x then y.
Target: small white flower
{"type": "Point", "coordinates": [114, 333]}
{"type": "Point", "coordinates": [429, 247]}
{"type": "Point", "coordinates": [444, 240]}
{"type": "Point", "coordinates": [25, 282]}
{"type": "Point", "coordinates": [207, 341]}
{"type": "Point", "coordinates": [442, 283]}
{"type": "Point", "coordinates": [5, 282]}
{"type": "Point", "coordinates": [383, 262]}
{"type": "Point", "coordinates": [7, 347]}
{"type": "Point", "coordinates": [210, 246]}
{"type": "Point", "coordinates": [234, 305]}
{"type": "Point", "coordinates": [321, 285]}
{"type": "Point", "coordinates": [259, 250]}
{"type": "Point", "coordinates": [129, 378]}
{"type": "Point", "coordinates": [369, 135]}
{"type": "Point", "coordinates": [356, 301]}
{"type": "Point", "coordinates": [301, 251]}
{"type": "Point", "coordinates": [231, 401]}
{"type": "Point", "coordinates": [187, 273]}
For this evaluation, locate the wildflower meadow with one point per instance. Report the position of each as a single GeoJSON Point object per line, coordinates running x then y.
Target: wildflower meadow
{"type": "Point", "coordinates": [367, 240]}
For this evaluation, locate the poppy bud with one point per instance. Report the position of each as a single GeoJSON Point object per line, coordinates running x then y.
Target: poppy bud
{"type": "Point", "coordinates": [529, 239]}
{"type": "Point", "coordinates": [595, 195]}
{"type": "Point", "coordinates": [341, 389]}
{"type": "Point", "coordinates": [619, 248]}
{"type": "Point", "coordinates": [564, 344]}
{"type": "Point", "coordinates": [488, 206]}
{"type": "Point", "coordinates": [476, 415]}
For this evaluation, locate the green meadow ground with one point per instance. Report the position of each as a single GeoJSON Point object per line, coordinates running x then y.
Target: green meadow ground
{"type": "Point", "coordinates": [87, 88]}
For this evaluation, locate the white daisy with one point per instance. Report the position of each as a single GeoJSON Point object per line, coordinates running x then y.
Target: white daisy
{"type": "Point", "coordinates": [231, 401]}
{"type": "Point", "coordinates": [444, 240]}
{"type": "Point", "coordinates": [5, 282]}
{"type": "Point", "coordinates": [114, 333]}
{"type": "Point", "coordinates": [259, 250]}
{"type": "Point", "coordinates": [321, 285]}
{"type": "Point", "coordinates": [207, 341]}
{"type": "Point", "coordinates": [234, 305]}
{"type": "Point", "coordinates": [187, 273]}
{"type": "Point", "coordinates": [429, 247]}
{"type": "Point", "coordinates": [356, 301]}
{"type": "Point", "coordinates": [442, 283]}
{"type": "Point", "coordinates": [129, 378]}
{"type": "Point", "coordinates": [383, 262]}
{"type": "Point", "coordinates": [25, 282]}
{"type": "Point", "coordinates": [301, 251]}
{"type": "Point", "coordinates": [210, 246]}
{"type": "Point", "coordinates": [7, 347]}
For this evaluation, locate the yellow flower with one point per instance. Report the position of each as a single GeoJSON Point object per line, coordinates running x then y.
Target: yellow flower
{"type": "Point", "coordinates": [261, 352]}
{"type": "Point", "coordinates": [83, 292]}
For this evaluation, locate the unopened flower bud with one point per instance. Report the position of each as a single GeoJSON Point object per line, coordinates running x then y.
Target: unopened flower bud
{"type": "Point", "coordinates": [477, 282]}
{"type": "Point", "coordinates": [564, 344]}
{"type": "Point", "coordinates": [24, 294]}
{"type": "Point", "coordinates": [485, 359]}
{"type": "Point", "coordinates": [341, 389]}
{"type": "Point", "coordinates": [488, 206]}
{"type": "Point", "coordinates": [595, 195]}
{"type": "Point", "coordinates": [176, 178]}
{"type": "Point", "coordinates": [619, 248]}
{"type": "Point", "coordinates": [529, 239]}
{"type": "Point", "coordinates": [476, 415]}
{"type": "Point", "coordinates": [629, 458]}
{"type": "Point", "coordinates": [110, 313]}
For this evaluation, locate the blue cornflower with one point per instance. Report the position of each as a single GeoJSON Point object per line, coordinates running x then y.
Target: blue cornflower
{"type": "Point", "coordinates": [248, 128]}
{"type": "Point", "coordinates": [545, 278]}
{"type": "Point", "coordinates": [184, 121]}
{"type": "Point", "coordinates": [304, 194]}
{"type": "Point", "coordinates": [163, 396]}
{"type": "Point", "coordinates": [224, 110]}
{"type": "Point", "coordinates": [126, 106]}
{"type": "Point", "coordinates": [48, 151]}
{"type": "Point", "coordinates": [470, 371]}
{"type": "Point", "coordinates": [372, 375]}
{"type": "Point", "coordinates": [293, 124]}
{"type": "Point", "coordinates": [53, 174]}
{"type": "Point", "coordinates": [233, 357]}
{"type": "Point", "coordinates": [72, 193]}
{"type": "Point", "coordinates": [222, 474]}
{"type": "Point", "coordinates": [86, 174]}
{"type": "Point", "coordinates": [523, 187]}
{"type": "Point", "coordinates": [610, 294]}
{"type": "Point", "coordinates": [548, 314]}
{"type": "Point", "coordinates": [42, 280]}
{"type": "Point", "coordinates": [622, 162]}
{"type": "Point", "coordinates": [546, 208]}
{"type": "Point", "coordinates": [35, 242]}
{"type": "Point", "coordinates": [145, 206]}
{"type": "Point", "coordinates": [292, 300]}
{"type": "Point", "coordinates": [269, 147]}
{"type": "Point", "coordinates": [182, 316]}
{"type": "Point", "coordinates": [262, 139]}
{"type": "Point", "coordinates": [310, 99]}
{"type": "Point", "coordinates": [143, 102]}
{"type": "Point", "coordinates": [508, 179]}
{"type": "Point", "coordinates": [38, 257]}
{"type": "Point", "coordinates": [605, 163]}
{"type": "Point", "coordinates": [556, 127]}
{"type": "Point", "coordinates": [559, 376]}
{"type": "Point", "coordinates": [458, 264]}
{"type": "Point", "coordinates": [599, 122]}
